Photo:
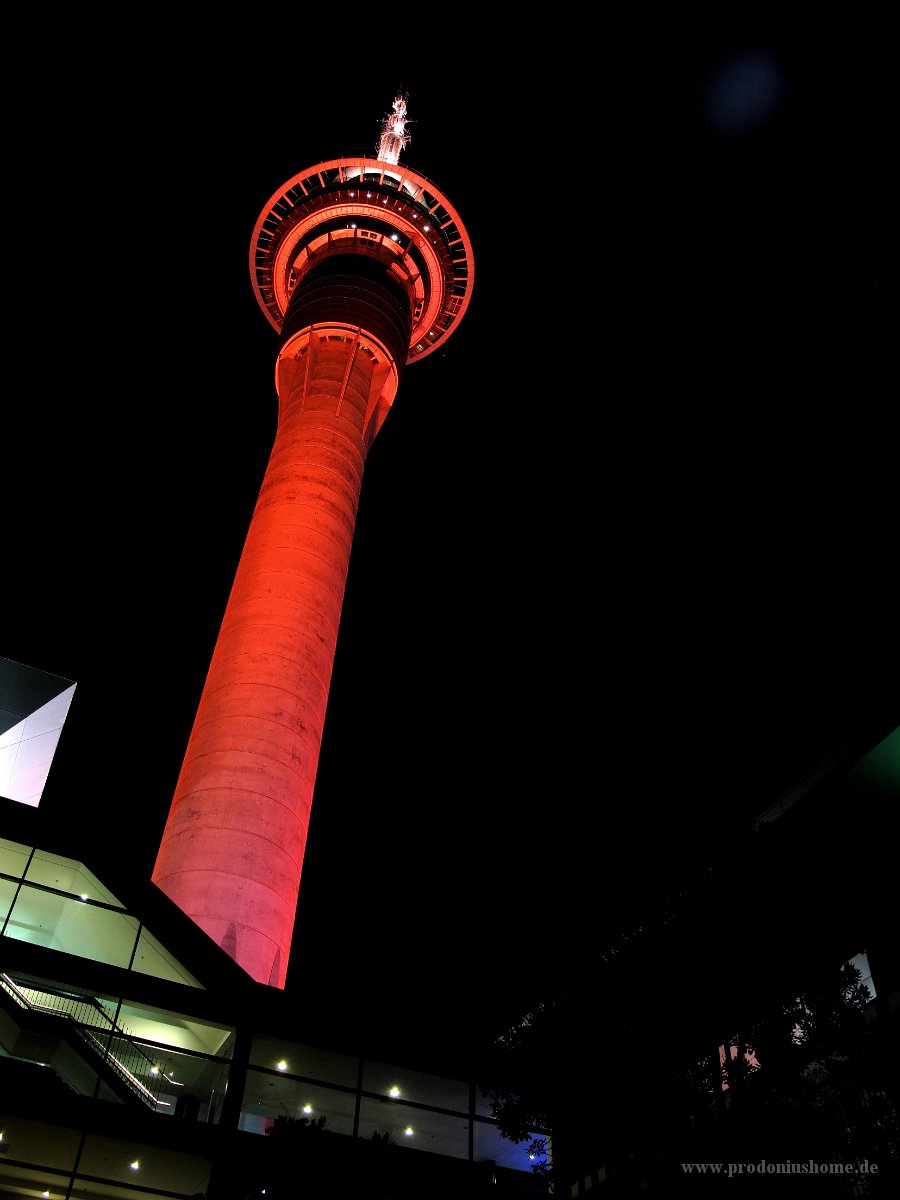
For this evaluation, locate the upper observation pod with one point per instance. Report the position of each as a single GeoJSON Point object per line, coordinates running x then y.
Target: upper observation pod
{"type": "Point", "coordinates": [379, 210]}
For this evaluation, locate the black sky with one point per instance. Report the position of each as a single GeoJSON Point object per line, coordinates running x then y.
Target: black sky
{"type": "Point", "coordinates": [623, 567]}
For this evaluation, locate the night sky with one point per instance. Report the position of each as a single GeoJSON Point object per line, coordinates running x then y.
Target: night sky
{"type": "Point", "coordinates": [623, 563]}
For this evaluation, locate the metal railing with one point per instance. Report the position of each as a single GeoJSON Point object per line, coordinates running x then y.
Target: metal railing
{"type": "Point", "coordinates": [96, 1026]}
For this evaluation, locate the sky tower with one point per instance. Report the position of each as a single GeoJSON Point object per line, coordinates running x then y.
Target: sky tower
{"type": "Point", "coordinates": [361, 266]}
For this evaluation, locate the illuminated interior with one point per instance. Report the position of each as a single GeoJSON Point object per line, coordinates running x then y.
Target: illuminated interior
{"type": "Point", "coordinates": [175, 1065]}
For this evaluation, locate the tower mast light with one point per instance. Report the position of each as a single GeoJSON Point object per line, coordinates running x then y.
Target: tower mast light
{"type": "Point", "coordinates": [394, 137]}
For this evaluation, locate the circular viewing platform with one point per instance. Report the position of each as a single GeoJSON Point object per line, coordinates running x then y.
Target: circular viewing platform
{"type": "Point", "coordinates": [371, 207]}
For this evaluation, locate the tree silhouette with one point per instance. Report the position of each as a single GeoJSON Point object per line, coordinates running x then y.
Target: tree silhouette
{"type": "Point", "coordinates": [813, 1081]}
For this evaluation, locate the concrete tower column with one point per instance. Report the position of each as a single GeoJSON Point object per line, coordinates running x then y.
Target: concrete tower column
{"type": "Point", "coordinates": [362, 267]}
{"type": "Point", "coordinates": [233, 845]}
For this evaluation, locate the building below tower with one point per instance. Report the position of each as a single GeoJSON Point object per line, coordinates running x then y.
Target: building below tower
{"type": "Point", "coordinates": [136, 1063]}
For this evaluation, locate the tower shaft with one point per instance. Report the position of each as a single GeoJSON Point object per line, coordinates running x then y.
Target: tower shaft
{"type": "Point", "coordinates": [232, 850]}
{"type": "Point", "coordinates": [362, 266]}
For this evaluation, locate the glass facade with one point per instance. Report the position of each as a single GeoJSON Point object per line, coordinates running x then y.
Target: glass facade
{"type": "Point", "coordinates": [374, 1101]}
{"type": "Point", "coordinates": [415, 1087]}
{"type": "Point", "coordinates": [182, 1070]}
{"type": "Point", "coordinates": [53, 901]}
{"type": "Point", "coordinates": [94, 1165]}
{"type": "Point", "coordinates": [123, 1050]}
{"type": "Point", "coordinates": [268, 1097]}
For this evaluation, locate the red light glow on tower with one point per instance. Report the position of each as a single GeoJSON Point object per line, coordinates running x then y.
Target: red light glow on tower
{"type": "Point", "coordinates": [361, 266]}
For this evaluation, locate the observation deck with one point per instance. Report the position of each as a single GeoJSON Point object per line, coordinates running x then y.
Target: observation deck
{"type": "Point", "coordinates": [375, 208]}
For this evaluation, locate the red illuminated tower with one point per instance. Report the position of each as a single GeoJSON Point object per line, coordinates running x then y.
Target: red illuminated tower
{"type": "Point", "coordinates": [361, 266]}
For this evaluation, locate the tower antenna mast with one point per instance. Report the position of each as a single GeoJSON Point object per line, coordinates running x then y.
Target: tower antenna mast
{"type": "Point", "coordinates": [394, 137]}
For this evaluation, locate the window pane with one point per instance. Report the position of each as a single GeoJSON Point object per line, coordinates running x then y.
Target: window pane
{"type": "Point", "coordinates": [416, 1086]}
{"type": "Point", "coordinates": [13, 858]}
{"type": "Point", "coordinates": [269, 1096]}
{"type": "Point", "coordinates": [438, 1133]}
{"type": "Point", "coordinates": [72, 926]}
{"type": "Point", "coordinates": [178, 1031]}
{"type": "Point", "coordinates": [383, 1118]}
{"type": "Point", "coordinates": [34, 917]}
{"type": "Point", "coordinates": [491, 1147]}
{"type": "Point", "coordinates": [153, 958]}
{"type": "Point", "coordinates": [7, 893]}
{"type": "Point", "coordinates": [55, 1053]}
{"type": "Point", "coordinates": [186, 1086]}
{"type": "Point", "coordinates": [164, 1171]}
{"type": "Point", "coordinates": [326, 1066]}
{"type": "Point", "coordinates": [418, 1128]}
{"type": "Point", "coordinates": [67, 875]}
{"type": "Point", "coordinates": [33, 1142]}
{"type": "Point", "coordinates": [482, 1103]}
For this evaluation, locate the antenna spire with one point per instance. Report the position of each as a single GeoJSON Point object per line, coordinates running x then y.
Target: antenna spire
{"type": "Point", "coordinates": [393, 132]}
